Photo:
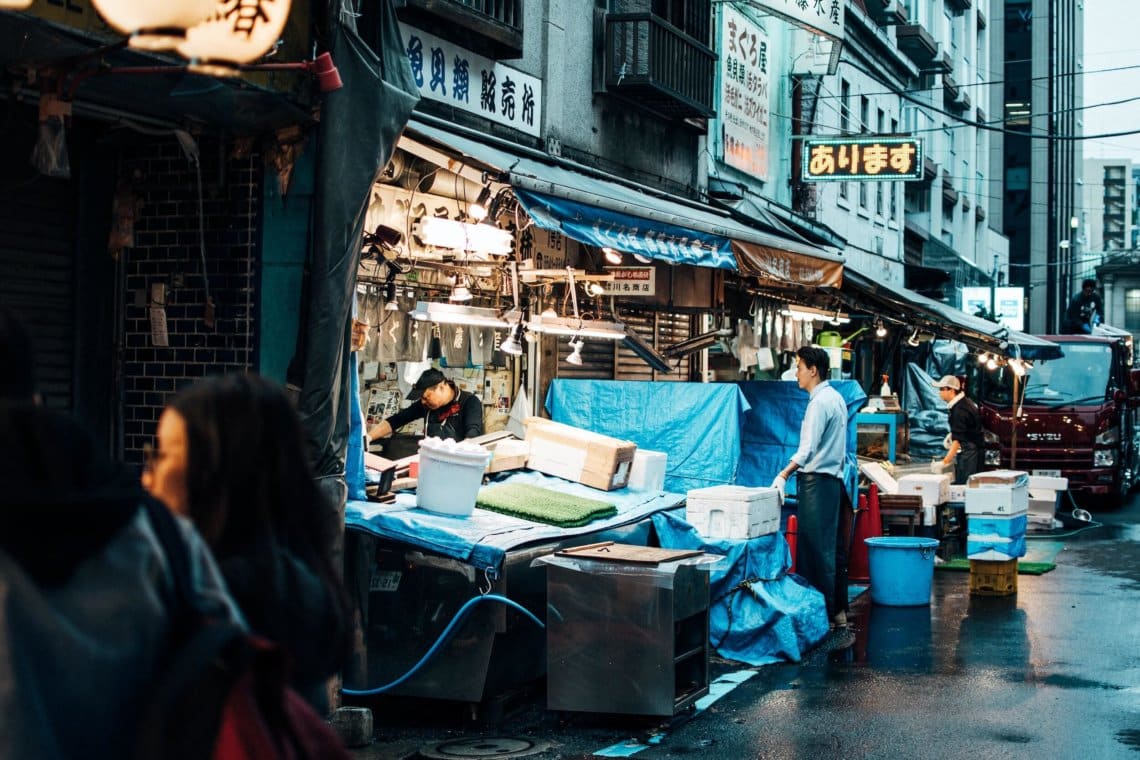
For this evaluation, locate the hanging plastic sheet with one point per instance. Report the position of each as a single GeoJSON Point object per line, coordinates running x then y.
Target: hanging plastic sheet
{"type": "Point", "coordinates": [759, 613]}
{"type": "Point", "coordinates": [927, 415]}
{"type": "Point", "coordinates": [771, 432]}
{"type": "Point", "coordinates": [697, 425]}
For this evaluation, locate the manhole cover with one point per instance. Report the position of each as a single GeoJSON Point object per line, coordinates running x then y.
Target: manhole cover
{"type": "Point", "coordinates": [488, 746]}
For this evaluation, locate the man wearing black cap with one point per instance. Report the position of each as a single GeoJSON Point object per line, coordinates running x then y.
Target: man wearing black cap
{"type": "Point", "coordinates": [965, 429]}
{"type": "Point", "coordinates": [447, 411]}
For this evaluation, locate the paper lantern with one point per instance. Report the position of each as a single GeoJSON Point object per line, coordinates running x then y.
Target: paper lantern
{"type": "Point", "coordinates": [239, 31]}
{"type": "Point", "coordinates": [154, 24]}
{"type": "Point", "coordinates": [15, 5]}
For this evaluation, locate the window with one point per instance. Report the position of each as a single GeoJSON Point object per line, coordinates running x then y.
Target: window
{"type": "Point", "coordinates": [1132, 310]}
{"type": "Point", "coordinates": [880, 124]}
{"type": "Point", "coordinates": [864, 126]}
{"type": "Point", "coordinates": [844, 106]}
{"type": "Point", "coordinates": [894, 186]}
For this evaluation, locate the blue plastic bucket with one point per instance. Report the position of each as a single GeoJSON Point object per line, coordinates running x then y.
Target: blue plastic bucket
{"type": "Point", "coordinates": [902, 569]}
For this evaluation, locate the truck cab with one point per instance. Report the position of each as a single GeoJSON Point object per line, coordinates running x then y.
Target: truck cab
{"type": "Point", "coordinates": [1079, 417]}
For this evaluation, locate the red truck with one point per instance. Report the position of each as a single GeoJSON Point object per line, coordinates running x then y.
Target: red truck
{"type": "Point", "coordinates": [1080, 417]}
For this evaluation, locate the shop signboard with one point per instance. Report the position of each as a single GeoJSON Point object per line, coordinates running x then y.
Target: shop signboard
{"type": "Point", "coordinates": [862, 158]}
{"type": "Point", "coordinates": [821, 16]}
{"type": "Point", "coordinates": [744, 94]}
{"type": "Point", "coordinates": [449, 74]}
{"type": "Point", "coordinates": [630, 281]}
{"type": "Point", "coordinates": [1007, 304]}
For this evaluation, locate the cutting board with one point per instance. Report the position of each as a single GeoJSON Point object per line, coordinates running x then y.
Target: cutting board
{"type": "Point", "coordinates": [608, 551]}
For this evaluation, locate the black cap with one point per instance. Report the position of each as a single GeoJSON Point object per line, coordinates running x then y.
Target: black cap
{"type": "Point", "coordinates": [430, 378]}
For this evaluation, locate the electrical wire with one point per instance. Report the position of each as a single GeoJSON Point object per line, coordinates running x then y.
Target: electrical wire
{"type": "Point", "coordinates": [448, 632]}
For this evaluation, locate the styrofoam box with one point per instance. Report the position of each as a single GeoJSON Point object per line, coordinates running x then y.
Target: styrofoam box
{"type": "Point", "coordinates": [878, 475]}
{"type": "Point", "coordinates": [997, 500]}
{"type": "Point", "coordinates": [1046, 483]}
{"type": "Point", "coordinates": [934, 489]}
{"type": "Point", "coordinates": [994, 548]}
{"type": "Point", "coordinates": [1006, 526]}
{"type": "Point", "coordinates": [957, 493]}
{"type": "Point", "coordinates": [733, 511]}
{"type": "Point", "coordinates": [1043, 501]}
{"type": "Point", "coordinates": [647, 473]}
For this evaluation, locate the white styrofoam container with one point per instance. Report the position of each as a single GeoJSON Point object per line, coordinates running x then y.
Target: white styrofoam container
{"type": "Point", "coordinates": [1047, 483]}
{"type": "Point", "coordinates": [997, 500]}
{"type": "Point", "coordinates": [1006, 526]}
{"type": "Point", "coordinates": [1043, 501]}
{"type": "Point", "coordinates": [934, 489]}
{"type": "Point", "coordinates": [999, 478]}
{"type": "Point", "coordinates": [733, 511]}
{"type": "Point", "coordinates": [647, 472]}
{"type": "Point", "coordinates": [957, 493]}
{"type": "Point", "coordinates": [994, 548]}
{"type": "Point", "coordinates": [878, 475]}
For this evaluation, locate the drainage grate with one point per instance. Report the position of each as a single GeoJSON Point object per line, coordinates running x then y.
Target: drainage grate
{"type": "Point", "coordinates": [483, 747]}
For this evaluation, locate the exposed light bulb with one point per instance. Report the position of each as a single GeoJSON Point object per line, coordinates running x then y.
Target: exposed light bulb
{"type": "Point", "coordinates": [982, 357]}
{"type": "Point", "coordinates": [595, 288]}
{"type": "Point", "coordinates": [880, 330]}
{"type": "Point", "coordinates": [991, 363]}
{"type": "Point", "coordinates": [642, 259]}
{"type": "Point", "coordinates": [575, 356]}
{"type": "Point", "coordinates": [612, 256]}
{"type": "Point", "coordinates": [460, 292]}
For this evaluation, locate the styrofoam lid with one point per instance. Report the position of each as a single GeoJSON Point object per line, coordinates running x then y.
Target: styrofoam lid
{"type": "Point", "coordinates": [729, 493]}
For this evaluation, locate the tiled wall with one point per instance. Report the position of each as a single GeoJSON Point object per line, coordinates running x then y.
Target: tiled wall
{"type": "Point", "coordinates": [166, 250]}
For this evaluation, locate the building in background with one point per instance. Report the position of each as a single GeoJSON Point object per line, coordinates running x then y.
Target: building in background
{"type": "Point", "coordinates": [1041, 46]}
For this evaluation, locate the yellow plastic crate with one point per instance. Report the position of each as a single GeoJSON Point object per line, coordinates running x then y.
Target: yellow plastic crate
{"type": "Point", "coordinates": [988, 578]}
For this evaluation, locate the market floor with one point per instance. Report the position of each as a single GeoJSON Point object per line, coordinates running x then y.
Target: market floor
{"type": "Point", "coordinates": [1052, 671]}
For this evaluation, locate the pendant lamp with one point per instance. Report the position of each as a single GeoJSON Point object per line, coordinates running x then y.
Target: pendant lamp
{"type": "Point", "coordinates": [156, 25]}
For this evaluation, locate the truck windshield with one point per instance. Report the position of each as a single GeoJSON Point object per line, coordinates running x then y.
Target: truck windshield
{"type": "Point", "coordinates": [1081, 376]}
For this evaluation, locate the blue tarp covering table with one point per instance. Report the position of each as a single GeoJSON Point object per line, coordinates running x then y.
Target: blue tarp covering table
{"type": "Point", "coordinates": [483, 538]}
{"type": "Point", "coordinates": [696, 424]}
{"type": "Point", "coordinates": [759, 613]}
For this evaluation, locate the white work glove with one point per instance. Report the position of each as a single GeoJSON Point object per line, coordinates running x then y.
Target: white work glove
{"type": "Point", "coordinates": [780, 484]}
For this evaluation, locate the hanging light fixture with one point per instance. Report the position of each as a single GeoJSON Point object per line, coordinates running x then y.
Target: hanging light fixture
{"type": "Point", "coordinates": [575, 356]}
{"type": "Point", "coordinates": [992, 363]}
{"type": "Point", "coordinates": [913, 339]}
{"type": "Point", "coordinates": [460, 292]}
{"type": "Point", "coordinates": [612, 256]}
{"type": "Point", "coordinates": [982, 357]}
{"type": "Point", "coordinates": [457, 314]}
{"type": "Point", "coordinates": [235, 34]}
{"type": "Point", "coordinates": [595, 289]}
{"type": "Point", "coordinates": [158, 25]}
{"type": "Point", "coordinates": [461, 236]}
{"type": "Point", "coordinates": [880, 329]}
{"type": "Point", "coordinates": [513, 344]}
{"type": "Point", "coordinates": [479, 209]}
{"type": "Point", "coordinates": [641, 259]}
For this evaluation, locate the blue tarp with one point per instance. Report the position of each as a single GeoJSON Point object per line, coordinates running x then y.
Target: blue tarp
{"type": "Point", "coordinates": [759, 613]}
{"type": "Point", "coordinates": [483, 538]}
{"type": "Point", "coordinates": [696, 424]}
{"type": "Point", "coordinates": [771, 432]}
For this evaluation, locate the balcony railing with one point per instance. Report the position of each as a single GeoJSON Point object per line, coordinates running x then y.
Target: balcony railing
{"type": "Point", "coordinates": [491, 27]}
{"type": "Point", "coordinates": [652, 62]}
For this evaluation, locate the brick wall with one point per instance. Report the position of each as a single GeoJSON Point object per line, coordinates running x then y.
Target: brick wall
{"type": "Point", "coordinates": [166, 250]}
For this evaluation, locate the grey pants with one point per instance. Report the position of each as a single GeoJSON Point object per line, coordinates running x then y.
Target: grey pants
{"type": "Point", "coordinates": [824, 538]}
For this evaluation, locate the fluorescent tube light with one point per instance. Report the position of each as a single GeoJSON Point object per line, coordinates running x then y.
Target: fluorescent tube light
{"type": "Point", "coordinates": [457, 314]}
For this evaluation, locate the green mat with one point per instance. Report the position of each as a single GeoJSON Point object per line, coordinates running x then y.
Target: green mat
{"type": "Point", "coordinates": [1023, 568]}
{"type": "Point", "coordinates": [542, 505]}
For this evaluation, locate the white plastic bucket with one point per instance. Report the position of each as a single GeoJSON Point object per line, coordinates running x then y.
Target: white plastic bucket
{"type": "Point", "coordinates": [450, 477]}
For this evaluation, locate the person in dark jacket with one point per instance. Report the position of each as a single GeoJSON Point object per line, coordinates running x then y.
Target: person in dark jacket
{"type": "Point", "coordinates": [1085, 310]}
{"type": "Point", "coordinates": [447, 411]}
{"type": "Point", "coordinates": [84, 623]}
{"type": "Point", "coordinates": [965, 429]}
{"type": "Point", "coordinates": [230, 456]}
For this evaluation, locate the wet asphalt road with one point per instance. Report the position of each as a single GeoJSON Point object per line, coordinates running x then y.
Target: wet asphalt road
{"type": "Point", "coordinates": [1052, 672]}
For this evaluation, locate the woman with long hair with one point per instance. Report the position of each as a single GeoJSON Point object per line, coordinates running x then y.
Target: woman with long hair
{"type": "Point", "coordinates": [230, 456]}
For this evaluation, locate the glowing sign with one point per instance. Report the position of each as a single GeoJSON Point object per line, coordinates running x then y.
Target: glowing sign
{"type": "Point", "coordinates": [869, 158]}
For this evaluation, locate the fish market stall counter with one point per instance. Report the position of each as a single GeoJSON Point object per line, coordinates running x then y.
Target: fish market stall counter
{"type": "Point", "coordinates": [410, 572]}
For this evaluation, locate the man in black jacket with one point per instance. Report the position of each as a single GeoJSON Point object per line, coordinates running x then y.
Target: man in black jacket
{"type": "Point", "coordinates": [1085, 310]}
{"type": "Point", "coordinates": [447, 411]}
{"type": "Point", "coordinates": [965, 429]}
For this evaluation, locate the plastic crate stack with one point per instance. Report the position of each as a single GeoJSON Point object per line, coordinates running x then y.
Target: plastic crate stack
{"type": "Point", "coordinates": [996, 507]}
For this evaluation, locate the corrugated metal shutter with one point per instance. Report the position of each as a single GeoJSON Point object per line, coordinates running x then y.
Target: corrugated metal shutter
{"type": "Point", "coordinates": [597, 360]}
{"type": "Point", "coordinates": [659, 329]}
{"type": "Point", "coordinates": [37, 269]}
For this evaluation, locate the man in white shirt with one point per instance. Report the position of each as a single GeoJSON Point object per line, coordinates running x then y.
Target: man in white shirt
{"type": "Point", "coordinates": [822, 548]}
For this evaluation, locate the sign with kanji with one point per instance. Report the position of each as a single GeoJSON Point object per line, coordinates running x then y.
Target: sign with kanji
{"type": "Point", "coordinates": [449, 74]}
{"type": "Point", "coordinates": [820, 16]}
{"type": "Point", "coordinates": [744, 98]}
{"type": "Point", "coordinates": [867, 158]}
{"type": "Point", "coordinates": [630, 281]}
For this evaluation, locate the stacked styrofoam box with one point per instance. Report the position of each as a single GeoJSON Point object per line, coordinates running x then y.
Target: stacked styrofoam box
{"type": "Point", "coordinates": [934, 490]}
{"type": "Point", "coordinates": [733, 511]}
{"type": "Point", "coordinates": [1045, 493]}
{"type": "Point", "coordinates": [996, 504]}
{"type": "Point", "coordinates": [647, 473]}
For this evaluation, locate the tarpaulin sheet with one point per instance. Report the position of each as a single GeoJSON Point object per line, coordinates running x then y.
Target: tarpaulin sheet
{"type": "Point", "coordinates": [927, 415]}
{"type": "Point", "coordinates": [771, 432]}
{"type": "Point", "coordinates": [696, 424]}
{"type": "Point", "coordinates": [483, 538]}
{"type": "Point", "coordinates": [759, 613]}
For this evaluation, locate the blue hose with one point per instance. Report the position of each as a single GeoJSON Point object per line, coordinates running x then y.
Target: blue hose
{"type": "Point", "coordinates": [443, 638]}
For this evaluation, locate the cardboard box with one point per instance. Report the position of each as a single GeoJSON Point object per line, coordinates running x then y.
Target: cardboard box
{"type": "Point", "coordinates": [568, 452]}
{"type": "Point", "coordinates": [997, 500]}
{"type": "Point", "coordinates": [647, 473]}
{"type": "Point", "coordinates": [508, 454]}
{"type": "Point", "coordinates": [994, 548]}
{"type": "Point", "coordinates": [733, 511]}
{"type": "Point", "coordinates": [934, 489]}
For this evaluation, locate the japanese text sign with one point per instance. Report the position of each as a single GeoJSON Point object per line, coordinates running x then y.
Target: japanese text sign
{"type": "Point", "coordinates": [822, 16]}
{"type": "Point", "coordinates": [744, 99]}
{"type": "Point", "coordinates": [447, 73]}
{"type": "Point", "coordinates": [631, 281]}
{"type": "Point", "coordinates": [868, 158]}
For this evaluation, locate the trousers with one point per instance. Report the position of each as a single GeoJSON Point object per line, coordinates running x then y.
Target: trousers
{"type": "Point", "coordinates": [824, 538]}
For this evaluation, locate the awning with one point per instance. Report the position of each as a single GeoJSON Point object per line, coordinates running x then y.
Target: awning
{"type": "Point", "coordinates": [944, 320]}
{"type": "Point", "coordinates": [604, 210]}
